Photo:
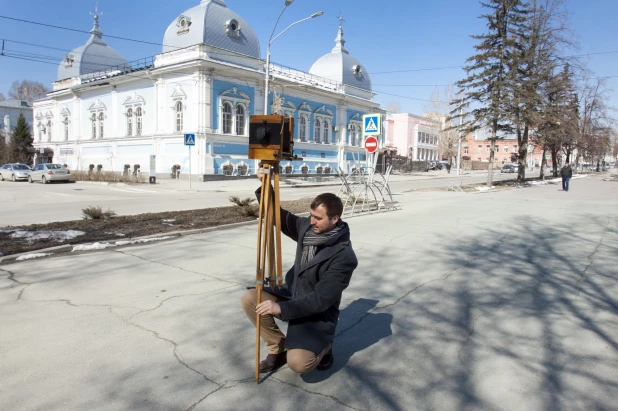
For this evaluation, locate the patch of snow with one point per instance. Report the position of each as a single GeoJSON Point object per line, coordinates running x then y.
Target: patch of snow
{"type": "Point", "coordinates": [142, 240]}
{"type": "Point", "coordinates": [90, 247]}
{"type": "Point", "coordinates": [60, 236]}
{"type": "Point", "coordinates": [31, 256]}
{"type": "Point", "coordinates": [484, 188]}
{"type": "Point", "coordinates": [169, 221]}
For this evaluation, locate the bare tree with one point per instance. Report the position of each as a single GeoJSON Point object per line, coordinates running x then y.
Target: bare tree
{"type": "Point", "coordinates": [596, 125]}
{"type": "Point", "coordinates": [2, 97]}
{"type": "Point", "coordinates": [438, 109]}
{"type": "Point", "coordinates": [27, 90]}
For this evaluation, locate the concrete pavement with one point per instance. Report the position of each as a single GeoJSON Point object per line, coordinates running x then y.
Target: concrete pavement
{"type": "Point", "coordinates": [490, 301]}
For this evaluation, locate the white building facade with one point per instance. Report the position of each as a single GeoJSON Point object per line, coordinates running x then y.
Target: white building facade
{"type": "Point", "coordinates": [10, 110]}
{"type": "Point", "coordinates": [413, 136]}
{"type": "Point", "coordinates": [208, 81]}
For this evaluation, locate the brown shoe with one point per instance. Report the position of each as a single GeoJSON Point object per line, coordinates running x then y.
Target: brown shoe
{"type": "Point", "coordinates": [273, 362]}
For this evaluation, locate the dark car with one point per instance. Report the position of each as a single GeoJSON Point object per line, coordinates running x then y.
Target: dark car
{"type": "Point", "coordinates": [435, 165]}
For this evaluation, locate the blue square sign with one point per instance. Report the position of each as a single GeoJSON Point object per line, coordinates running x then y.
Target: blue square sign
{"type": "Point", "coordinates": [372, 124]}
{"type": "Point", "coordinates": [189, 139]}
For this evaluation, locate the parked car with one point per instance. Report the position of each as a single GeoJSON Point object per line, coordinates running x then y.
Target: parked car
{"type": "Point", "coordinates": [46, 173]}
{"type": "Point", "coordinates": [14, 172]}
{"type": "Point", "coordinates": [435, 165]}
{"type": "Point", "coordinates": [510, 168]}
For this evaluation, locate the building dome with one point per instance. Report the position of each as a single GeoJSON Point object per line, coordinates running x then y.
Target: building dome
{"type": "Point", "coordinates": [340, 66]}
{"type": "Point", "coordinates": [213, 24]}
{"type": "Point", "coordinates": [93, 56]}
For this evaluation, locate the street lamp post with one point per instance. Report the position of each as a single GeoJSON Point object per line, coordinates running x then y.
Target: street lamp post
{"type": "Point", "coordinates": [271, 40]}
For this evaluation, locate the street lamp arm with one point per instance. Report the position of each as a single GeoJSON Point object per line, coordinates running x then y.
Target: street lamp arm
{"type": "Point", "coordinates": [293, 24]}
{"type": "Point", "coordinates": [275, 27]}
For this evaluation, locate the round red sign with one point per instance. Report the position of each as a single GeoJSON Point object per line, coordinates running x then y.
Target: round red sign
{"type": "Point", "coordinates": [371, 144]}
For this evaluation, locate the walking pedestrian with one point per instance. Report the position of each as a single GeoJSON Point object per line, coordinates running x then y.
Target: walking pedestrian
{"type": "Point", "coordinates": [566, 173]}
{"type": "Point", "coordinates": [448, 167]}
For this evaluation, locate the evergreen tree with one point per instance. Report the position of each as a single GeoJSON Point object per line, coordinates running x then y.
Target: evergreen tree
{"type": "Point", "coordinates": [486, 88]}
{"type": "Point", "coordinates": [20, 148]}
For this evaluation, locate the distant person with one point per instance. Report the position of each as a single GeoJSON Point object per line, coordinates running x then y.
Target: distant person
{"type": "Point", "coordinates": [566, 173]}
{"type": "Point", "coordinates": [448, 167]}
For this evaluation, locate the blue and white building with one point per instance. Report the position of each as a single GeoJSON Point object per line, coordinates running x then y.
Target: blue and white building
{"type": "Point", "coordinates": [207, 81]}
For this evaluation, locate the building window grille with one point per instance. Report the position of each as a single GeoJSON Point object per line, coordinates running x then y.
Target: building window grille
{"type": "Point", "coordinates": [138, 121]}
{"type": "Point", "coordinates": [326, 131]}
{"type": "Point", "coordinates": [227, 118]}
{"type": "Point", "coordinates": [240, 120]}
{"type": "Point", "coordinates": [94, 125]}
{"type": "Point", "coordinates": [318, 127]}
{"type": "Point", "coordinates": [101, 125]}
{"type": "Point", "coordinates": [179, 117]}
{"type": "Point", "coordinates": [49, 130]}
{"type": "Point", "coordinates": [303, 129]}
{"type": "Point", "coordinates": [130, 122]}
{"type": "Point", "coordinates": [66, 128]}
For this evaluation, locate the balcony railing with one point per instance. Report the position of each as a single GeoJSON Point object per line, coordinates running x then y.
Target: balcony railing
{"type": "Point", "coordinates": [112, 71]}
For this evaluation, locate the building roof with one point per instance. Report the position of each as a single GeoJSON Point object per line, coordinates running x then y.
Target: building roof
{"type": "Point", "coordinates": [13, 103]}
{"type": "Point", "coordinates": [213, 24]}
{"type": "Point", "coordinates": [93, 56]}
{"type": "Point", "coordinates": [340, 66]}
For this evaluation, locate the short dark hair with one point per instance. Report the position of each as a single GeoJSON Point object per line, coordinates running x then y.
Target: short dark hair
{"type": "Point", "coordinates": [332, 204]}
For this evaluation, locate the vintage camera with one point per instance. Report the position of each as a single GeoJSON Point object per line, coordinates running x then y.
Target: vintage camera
{"type": "Point", "coordinates": [271, 138]}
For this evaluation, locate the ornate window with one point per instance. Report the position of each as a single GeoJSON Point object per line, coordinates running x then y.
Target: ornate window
{"type": "Point", "coordinates": [93, 118]}
{"type": "Point", "coordinates": [179, 117]}
{"type": "Point", "coordinates": [227, 118]}
{"type": "Point", "coordinates": [302, 130]}
{"type": "Point", "coordinates": [49, 130]}
{"type": "Point", "coordinates": [130, 122]}
{"type": "Point", "coordinates": [101, 124]}
{"type": "Point", "coordinates": [240, 120]}
{"type": "Point", "coordinates": [326, 126]}
{"type": "Point", "coordinates": [357, 136]}
{"type": "Point", "coordinates": [138, 122]}
{"type": "Point", "coordinates": [317, 130]}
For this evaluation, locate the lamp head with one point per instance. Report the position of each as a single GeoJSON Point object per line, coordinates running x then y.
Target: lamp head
{"type": "Point", "coordinates": [288, 2]}
{"type": "Point", "coordinates": [319, 13]}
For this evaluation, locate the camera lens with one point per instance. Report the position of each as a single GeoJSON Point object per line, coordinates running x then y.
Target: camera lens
{"type": "Point", "coordinates": [262, 133]}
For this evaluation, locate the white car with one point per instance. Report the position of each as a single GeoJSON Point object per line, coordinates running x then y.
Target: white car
{"type": "Point", "coordinates": [46, 173]}
{"type": "Point", "coordinates": [14, 172]}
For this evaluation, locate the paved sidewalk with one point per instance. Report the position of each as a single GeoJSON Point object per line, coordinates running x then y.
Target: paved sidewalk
{"type": "Point", "coordinates": [489, 301]}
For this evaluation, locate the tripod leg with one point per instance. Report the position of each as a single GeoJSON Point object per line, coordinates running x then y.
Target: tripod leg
{"type": "Point", "coordinates": [277, 211]}
{"type": "Point", "coordinates": [259, 283]}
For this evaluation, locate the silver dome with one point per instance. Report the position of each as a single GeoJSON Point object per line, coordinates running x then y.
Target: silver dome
{"type": "Point", "coordinates": [213, 24]}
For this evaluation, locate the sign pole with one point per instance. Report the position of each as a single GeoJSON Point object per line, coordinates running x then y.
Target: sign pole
{"type": "Point", "coordinates": [189, 167]}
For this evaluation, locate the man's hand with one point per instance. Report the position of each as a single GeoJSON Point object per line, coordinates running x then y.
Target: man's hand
{"type": "Point", "coordinates": [268, 307]}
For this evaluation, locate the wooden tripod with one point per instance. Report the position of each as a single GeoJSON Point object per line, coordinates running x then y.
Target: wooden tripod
{"type": "Point", "coordinates": [268, 244]}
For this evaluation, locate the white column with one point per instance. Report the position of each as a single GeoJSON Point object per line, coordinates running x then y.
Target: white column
{"type": "Point", "coordinates": [114, 115]}
{"type": "Point", "coordinates": [161, 106]}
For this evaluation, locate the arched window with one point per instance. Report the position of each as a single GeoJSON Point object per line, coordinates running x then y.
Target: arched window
{"type": "Point", "coordinates": [179, 118]}
{"type": "Point", "coordinates": [138, 121]}
{"type": "Point", "coordinates": [240, 120]}
{"type": "Point", "coordinates": [325, 131]}
{"type": "Point", "coordinates": [302, 129]}
{"type": "Point", "coordinates": [94, 125]}
{"type": "Point", "coordinates": [317, 130]}
{"type": "Point", "coordinates": [357, 136]}
{"type": "Point", "coordinates": [226, 120]}
{"type": "Point", "coordinates": [130, 122]}
{"type": "Point", "coordinates": [49, 130]}
{"type": "Point", "coordinates": [101, 125]}
{"type": "Point", "coordinates": [66, 128]}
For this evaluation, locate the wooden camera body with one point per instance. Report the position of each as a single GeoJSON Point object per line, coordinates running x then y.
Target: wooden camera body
{"type": "Point", "coordinates": [271, 137]}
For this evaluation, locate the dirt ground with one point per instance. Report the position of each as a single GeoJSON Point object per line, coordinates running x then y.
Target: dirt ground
{"type": "Point", "coordinates": [126, 227]}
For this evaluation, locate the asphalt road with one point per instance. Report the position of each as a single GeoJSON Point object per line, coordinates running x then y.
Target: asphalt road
{"type": "Point", "coordinates": [24, 203]}
{"type": "Point", "coordinates": [490, 301]}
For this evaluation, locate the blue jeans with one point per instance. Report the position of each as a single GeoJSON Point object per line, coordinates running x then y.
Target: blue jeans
{"type": "Point", "coordinates": [565, 183]}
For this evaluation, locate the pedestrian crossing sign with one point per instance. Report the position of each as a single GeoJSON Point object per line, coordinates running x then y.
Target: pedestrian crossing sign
{"type": "Point", "coordinates": [189, 139]}
{"type": "Point", "coordinates": [372, 124]}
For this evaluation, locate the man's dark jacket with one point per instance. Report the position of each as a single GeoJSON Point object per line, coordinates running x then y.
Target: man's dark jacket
{"type": "Point", "coordinates": [566, 171]}
{"type": "Point", "coordinates": [313, 293]}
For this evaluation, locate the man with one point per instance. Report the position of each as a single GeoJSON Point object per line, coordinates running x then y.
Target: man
{"type": "Point", "coordinates": [566, 173]}
{"type": "Point", "coordinates": [309, 300]}
{"type": "Point", "coordinates": [448, 167]}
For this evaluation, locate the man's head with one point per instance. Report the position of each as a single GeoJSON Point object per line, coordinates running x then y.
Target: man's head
{"type": "Point", "coordinates": [326, 210]}
{"type": "Point", "coordinates": [566, 163]}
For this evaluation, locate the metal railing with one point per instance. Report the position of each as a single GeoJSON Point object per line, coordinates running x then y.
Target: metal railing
{"type": "Point", "coordinates": [111, 71]}
{"type": "Point", "coordinates": [301, 76]}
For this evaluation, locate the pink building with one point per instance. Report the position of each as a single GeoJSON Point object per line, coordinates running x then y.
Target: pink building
{"type": "Point", "coordinates": [416, 136]}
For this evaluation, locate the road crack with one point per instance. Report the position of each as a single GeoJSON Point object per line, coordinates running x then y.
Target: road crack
{"type": "Point", "coordinates": [590, 257]}
{"type": "Point", "coordinates": [11, 277]}
{"type": "Point", "coordinates": [316, 393]}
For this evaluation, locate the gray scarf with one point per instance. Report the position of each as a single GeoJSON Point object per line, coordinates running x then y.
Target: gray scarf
{"type": "Point", "coordinates": [312, 241]}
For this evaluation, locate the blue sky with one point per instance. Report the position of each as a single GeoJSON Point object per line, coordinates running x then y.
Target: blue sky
{"type": "Point", "coordinates": [420, 38]}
